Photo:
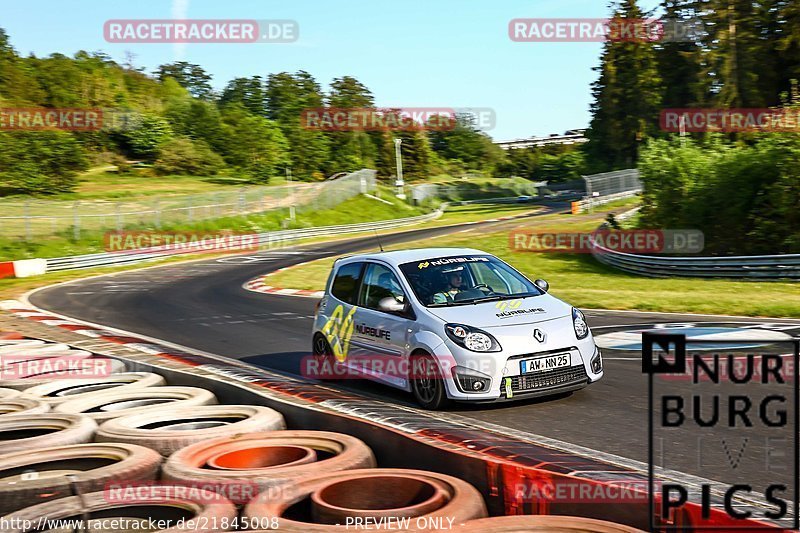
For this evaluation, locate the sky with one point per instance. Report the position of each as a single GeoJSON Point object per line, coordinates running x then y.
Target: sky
{"type": "Point", "coordinates": [410, 53]}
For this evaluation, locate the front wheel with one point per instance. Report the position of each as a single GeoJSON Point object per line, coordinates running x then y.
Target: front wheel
{"type": "Point", "coordinates": [427, 383]}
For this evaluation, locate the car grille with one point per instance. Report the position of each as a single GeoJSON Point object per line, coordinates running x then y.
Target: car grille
{"type": "Point", "coordinates": [546, 380]}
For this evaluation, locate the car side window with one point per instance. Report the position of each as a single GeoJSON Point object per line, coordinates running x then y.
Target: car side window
{"type": "Point", "coordinates": [379, 283]}
{"type": "Point", "coordinates": [346, 283]}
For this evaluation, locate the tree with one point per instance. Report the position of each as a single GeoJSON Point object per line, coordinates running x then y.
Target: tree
{"type": "Point", "coordinates": [190, 76]}
{"type": "Point", "coordinates": [627, 96]}
{"type": "Point", "coordinates": [464, 142]}
{"type": "Point", "coordinates": [185, 156]}
{"type": "Point", "coordinates": [738, 59]}
{"type": "Point", "coordinates": [17, 83]}
{"type": "Point", "coordinates": [679, 56]}
{"type": "Point", "coordinates": [249, 92]}
{"type": "Point", "coordinates": [256, 145]}
{"type": "Point", "coordinates": [145, 134]}
{"type": "Point", "coordinates": [39, 161]}
{"type": "Point", "coordinates": [288, 95]}
{"type": "Point", "coordinates": [199, 120]}
{"type": "Point", "coordinates": [349, 150]}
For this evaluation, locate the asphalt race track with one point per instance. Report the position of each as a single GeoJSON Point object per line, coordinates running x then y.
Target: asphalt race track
{"type": "Point", "coordinates": [202, 305]}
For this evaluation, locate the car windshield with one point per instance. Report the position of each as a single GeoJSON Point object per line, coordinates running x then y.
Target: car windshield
{"type": "Point", "coordinates": [465, 280]}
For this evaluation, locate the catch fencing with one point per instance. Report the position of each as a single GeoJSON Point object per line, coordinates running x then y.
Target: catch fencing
{"type": "Point", "coordinates": [34, 219]}
{"type": "Point", "coordinates": [609, 187]}
{"type": "Point", "coordinates": [266, 241]}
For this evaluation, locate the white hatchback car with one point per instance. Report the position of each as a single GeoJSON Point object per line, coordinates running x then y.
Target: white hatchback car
{"type": "Point", "coordinates": [450, 324]}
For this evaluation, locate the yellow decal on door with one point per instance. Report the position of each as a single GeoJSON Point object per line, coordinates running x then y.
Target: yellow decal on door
{"type": "Point", "coordinates": [338, 330]}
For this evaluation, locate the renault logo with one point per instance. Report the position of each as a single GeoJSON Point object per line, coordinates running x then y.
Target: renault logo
{"type": "Point", "coordinates": [538, 335]}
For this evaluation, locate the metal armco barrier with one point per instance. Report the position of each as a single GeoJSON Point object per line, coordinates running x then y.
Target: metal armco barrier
{"type": "Point", "coordinates": [761, 267]}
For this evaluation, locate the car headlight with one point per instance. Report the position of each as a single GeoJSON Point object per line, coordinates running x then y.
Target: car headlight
{"type": "Point", "coordinates": [472, 339]}
{"type": "Point", "coordinates": [579, 323]}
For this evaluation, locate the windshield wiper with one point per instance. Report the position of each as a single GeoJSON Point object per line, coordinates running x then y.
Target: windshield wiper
{"type": "Point", "coordinates": [493, 298]}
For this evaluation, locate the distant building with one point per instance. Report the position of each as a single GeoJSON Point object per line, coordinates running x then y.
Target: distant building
{"type": "Point", "coordinates": [569, 137]}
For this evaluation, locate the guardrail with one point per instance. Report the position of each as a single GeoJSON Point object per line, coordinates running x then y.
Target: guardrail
{"type": "Point", "coordinates": [754, 267]}
{"type": "Point", "coordinates": [268, 239]}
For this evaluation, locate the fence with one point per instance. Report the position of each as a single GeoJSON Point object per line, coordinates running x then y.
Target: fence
{"type": "Point", "coordinates": [610, 186]}
{"type": "Point", "coordinates": [760, 267]}
{"type": "Point", "coordinates": [41, 218]}
{"type": "Point", "coordinates": [268, 240]}
{"type": "Point", "coordinates": [473, 191]}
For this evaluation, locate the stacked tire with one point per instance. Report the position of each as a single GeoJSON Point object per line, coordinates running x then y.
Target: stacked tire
{"type": "Point", "coordinates": [129, 446]}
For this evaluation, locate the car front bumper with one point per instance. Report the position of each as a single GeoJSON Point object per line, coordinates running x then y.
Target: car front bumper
{"type": "Point", "coordinates": [506, 380]}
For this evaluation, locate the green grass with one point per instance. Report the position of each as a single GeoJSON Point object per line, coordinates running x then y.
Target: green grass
{"type": "Point", "coordinates": [582, 281]}
{"type": "Point", "coordinates": [104, 183]}
{"type": "Point", "coordinates": [357, 209]}
{"type": "Point", "coordinates": [110, 185]}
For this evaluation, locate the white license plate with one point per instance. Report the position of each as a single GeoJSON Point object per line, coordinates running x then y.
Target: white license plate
{"type": "Point", "coordinates": [543, 364]}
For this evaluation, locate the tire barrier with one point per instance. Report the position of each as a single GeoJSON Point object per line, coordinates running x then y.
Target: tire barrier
{"type": "Point", "coordinates": [8, 393]}
{"type": "Point", "coordinates": [167, 432]}
{"type": "Point", "coordinates": [494, 462]}
{"type": "Point", "coordinates": [60, 367]}
{"type": "Point", "coordinates": [33, 476]}
{"type": "Point", "coordinates": [205, 511]}
{"type": "Point", "coordinates": [272, 459]}
{"type": "Point", "coordinates": [45, 358]}
{"type": "Point", "coordinates": [22, 405]}
{"type": "Point", "coordinates": [112, 403]}
{"type": "Point", "coordinates": [399, 500]}
{"type": "Point", "coordinates": [28, 432]}
{"type": "Point", "coordinates": [18, 345]}
{"type": "Point", "coordinates": [542, 524]}
{"type": "Point", "coordinates": [63, 390]}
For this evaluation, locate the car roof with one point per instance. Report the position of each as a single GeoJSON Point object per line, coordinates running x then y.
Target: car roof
{"type": "Point", "coordinates": [399, 257]}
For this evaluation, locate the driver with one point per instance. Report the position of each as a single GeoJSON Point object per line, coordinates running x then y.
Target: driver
{"type": "Point", "coordinates": [454, 286]}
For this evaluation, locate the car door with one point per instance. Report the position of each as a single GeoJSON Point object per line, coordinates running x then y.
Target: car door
{"type": "Point", "coordinates": [340, 312]}
{"type": "Point", "coordinates": [380, 337]}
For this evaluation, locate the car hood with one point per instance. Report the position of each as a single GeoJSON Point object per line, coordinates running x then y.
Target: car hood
{"type": "Point", "coordinates": [528, 310]}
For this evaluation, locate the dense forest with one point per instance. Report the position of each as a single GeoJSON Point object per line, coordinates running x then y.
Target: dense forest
{"type": "Point", "coordinates": [739, 54]}
{"type": "Point", "coordinates": [175, 121]}
{"type": "Point", "coordinates": [741, 189]}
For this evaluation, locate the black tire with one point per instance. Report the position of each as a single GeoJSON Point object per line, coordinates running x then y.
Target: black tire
{"type": "Point", "coordinates": [60, 391]}
{"type": "Point", "coordinates": [31, 432]}
{"type": "Point", "coordinates": [23, 405]}
{"type": "Point", "coordinates": [207, 511]}
{"type": "Point", "coordinates": [112, 403]}
{"type": "Point", "coordinates": [158, 430]}
{"type": "Point", "coordinates": [94, 465]}
{"type": "Point", "coordinates": [427, 382]}
{"type": "Point", "coordinates": [325, 362]}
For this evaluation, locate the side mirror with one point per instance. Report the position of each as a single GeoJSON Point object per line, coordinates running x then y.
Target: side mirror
{"type": "Point", "coordinates": [542, 284]}
{"type": "Point", "coordinates": [390, 304]}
